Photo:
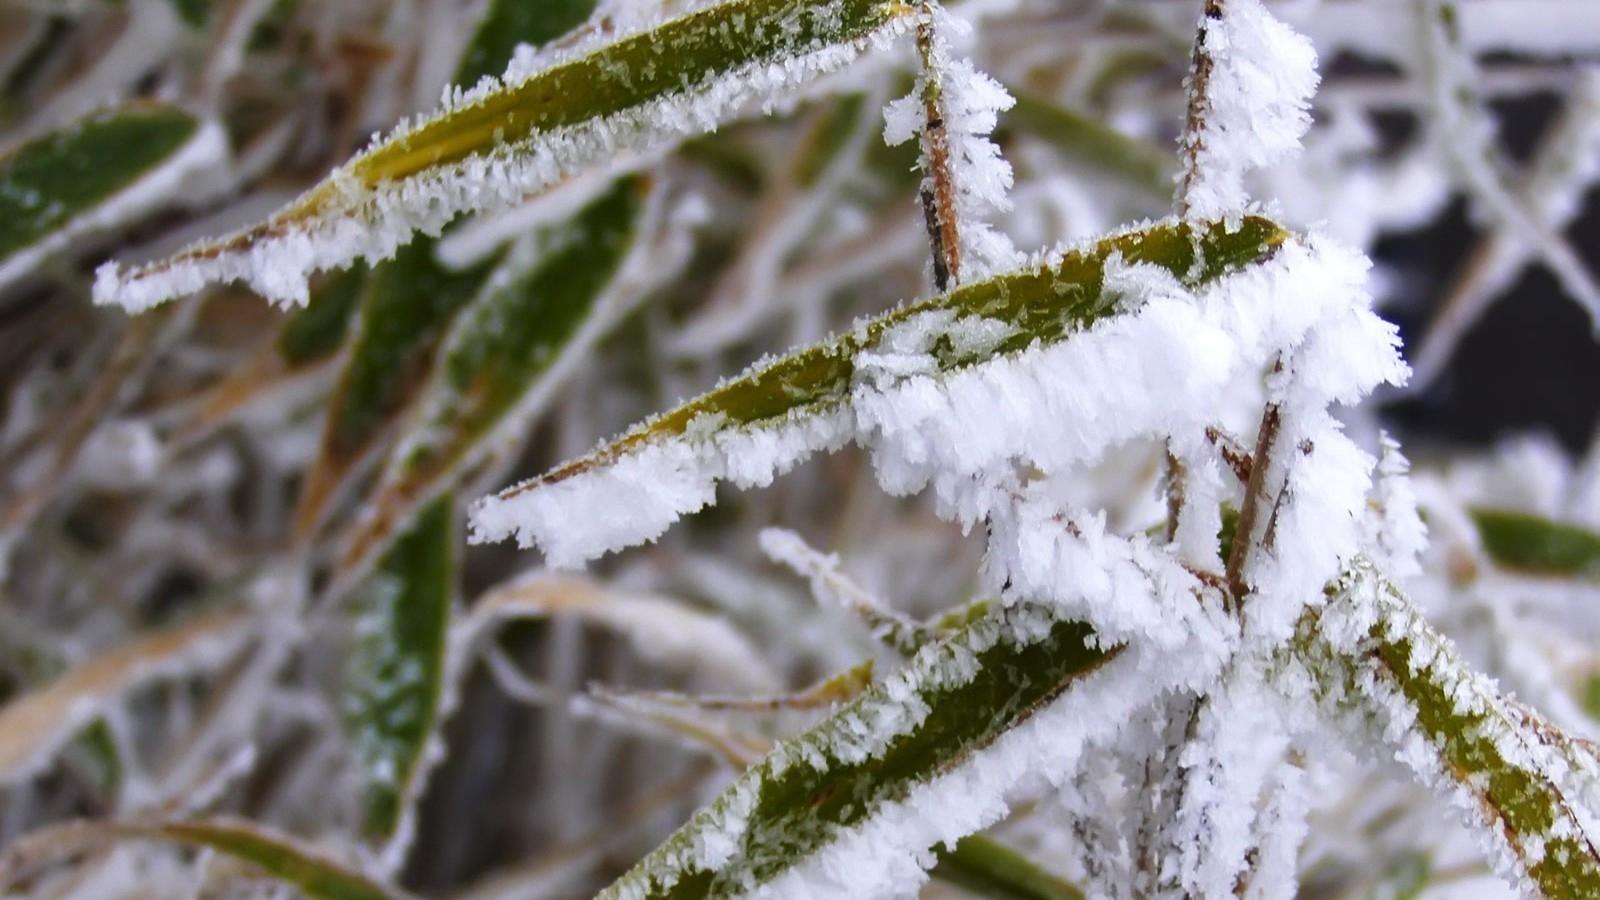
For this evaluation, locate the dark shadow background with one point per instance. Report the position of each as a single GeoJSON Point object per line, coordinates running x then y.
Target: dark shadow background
{"type": "Point", "coordinates": [1532, 362]}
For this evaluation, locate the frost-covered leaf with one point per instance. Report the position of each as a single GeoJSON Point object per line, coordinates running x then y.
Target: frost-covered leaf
{"type": "Point", "coordinates": [764, 421]}
{"type": "Point", "coordinates": [95, 174]}
{"type": "Point", "coordinates": [509, 350]}
{"type": "Point", "coordinates": [1530, 791]}
{"type": "Point", "coordinates": [397, 667]}
{"type": "Point", "coordinates": [543, 121]}
{"type": "Point", "coordinates": [1539, 545]}
{"type": "Point", "coordinates": [932, 726]}
{"type": "Point", "coordinates": [407, 306]}
{"type": "Point", "coordinates": [508, 23]}
{"type": "Point", "coordinates": [281, 856]}
{"type": "Point", "coordinates": [36, 724]}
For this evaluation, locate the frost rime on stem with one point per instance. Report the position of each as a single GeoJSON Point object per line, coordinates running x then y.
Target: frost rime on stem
{"type": "Point", "coordinates": [1250, 93]}
{"type": "Point", "coordinates": [953, 108]}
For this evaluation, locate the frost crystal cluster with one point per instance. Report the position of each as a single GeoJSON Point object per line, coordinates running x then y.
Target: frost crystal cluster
{"type": "Point", "coordinates": [1037, 524]}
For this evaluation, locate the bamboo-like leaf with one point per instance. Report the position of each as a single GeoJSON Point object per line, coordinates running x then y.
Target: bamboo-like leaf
{"type": "Point", "coordinates": [94, 174]}
{"type": "Point", "coordinates": [508, 23]}
{"type": "Point", "coordinates": [505, 355]}
{"type": "Point", "coordinates": [1045, 304]}
{"type": "Point", "coordinates": [406, 309]}
{"type": "Point", "coordinates": [36, 724]}
{"type": "Point", "coordinates": [503, 140]}
{"type": "Point", "coordinates": [803, 392]}
{"type": "Point", "coordinates": [955, 697]}
{"type": "Point", "coordinates": [279, 855]}
{"type": "Point", "coordinates": [1539, 545]}
{"type": "Point", "coordinates": [1529, 788]}
{"type": "Point", "coordinates": [398, 666]}
{"type": "Point", "coordinates": [1095, 145]}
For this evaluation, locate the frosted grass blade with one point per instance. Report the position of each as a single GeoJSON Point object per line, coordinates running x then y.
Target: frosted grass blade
{"type": "Point", "coordinates": [1529, 789]}
{"type": "Point", "coordinates": [508, 351]}
{"type": "Point", "coordinates": [284, 858]}
{"type": "Point", "coordinates": [406, 309]}
{"type": "Point", "coordinates": [777, 412]}
{"type": "Point", "coordinates": [34, 725]}
{"type": "Point", "coordinates": [395, 679]}
{"type": "Point", "coordinates": [497, 143]}
{"type": "Point", "coordinates": [814, 789]}
{"type": "Point", "coordinates": [95, 174]}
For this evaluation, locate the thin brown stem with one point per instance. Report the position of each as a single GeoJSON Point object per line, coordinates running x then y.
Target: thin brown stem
{"type": "Point", "coordinates": [1254, 499]}
{"type": "Point", "coordinates": [938, 186]}
{"type": "Point", "coordinates": [1195, 119]}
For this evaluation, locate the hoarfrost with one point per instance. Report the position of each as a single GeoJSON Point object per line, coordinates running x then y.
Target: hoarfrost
{"type": "Point", "coordinates": [349, 219]}
{"type": "Point", "coordinates": [1256, 76]}
{"type": "Point", "coordinates": [968, 103]}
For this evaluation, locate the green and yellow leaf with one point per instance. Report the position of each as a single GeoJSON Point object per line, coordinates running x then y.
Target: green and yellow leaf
{"type": "Point", "coordinates": [502, 141]}
{"type": "Point", "coordinates": [1519, 779]}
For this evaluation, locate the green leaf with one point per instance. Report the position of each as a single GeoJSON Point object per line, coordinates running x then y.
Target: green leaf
{"type": "Point", "coordinates": [194, 12]}
{"type": "Point", "coordinates": [52, 186]}
{"type": "Point", "coordinates": [504, 349]}
{"type": "Point", "coordinates": [397, 665]}
{"type": "Point", "coordinates": [1536, 544]}
{"type": "Point", "coordinates": [406, 309]}
{"type": "Point", "coordinates": [1498, 758]}
{"type": "Point", "coordinates": [1045, 304]}
{"type": "Point", "coordinates": [1095, 145]}
{"type": "Point", "coordinates": [815, 787]}
{"type": "Point", "coordinates": [989, 868]}
{"type": "Point", "coordinates": [640, 90]}
{"type": "Point", "coordinates": [280, 856]}
{"type": "Point", "coordinates": [512, 22]}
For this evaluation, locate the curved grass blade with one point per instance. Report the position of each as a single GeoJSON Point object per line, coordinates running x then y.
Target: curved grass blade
{"type": "Point", "coordinates": [1538, 545]}
{"type": "Point", "coordinates": [500, 141]}
{"type": "Point", "coordinates": [954, 699]}
{"type": "Point", "coordinates": [406, 308]}
{"type": "Point", "coordinates": [1528, 788]}
{"type": "Point", "coordinates": [508, 353]}
{"type": "Point", "coordinates": [397, 667]}
{"type": "Point", "coordinates": [661, 629]}
{"type": "Point", "coordinates": [36, 724]}
{"type": "Point", "coordinates": [95, 174]}
{"type": "Point", "coordinates": [778, 411]}
{"type": "Point", "coordinates": [284, 858]}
